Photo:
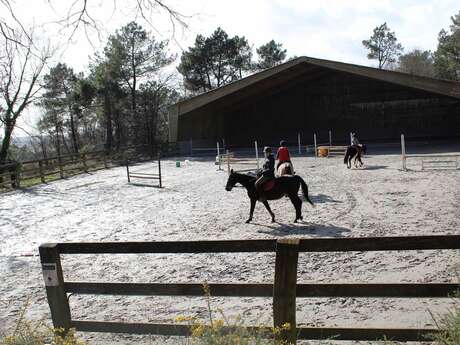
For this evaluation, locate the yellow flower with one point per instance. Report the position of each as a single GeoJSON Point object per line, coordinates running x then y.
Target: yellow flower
{"type": "Point", "coordinates": [286, 326]}
{"type": "Point", "coordinates": [197, 330]}
{"type": "Point", "coordinates": [218, 323]}
{"type": "Point", "coordinates": [182, 318]}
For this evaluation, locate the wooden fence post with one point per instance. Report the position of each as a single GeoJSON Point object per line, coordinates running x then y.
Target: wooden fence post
{"type": "Point", "coordinates": [61, 169]}
{"type": "Point", "coordinates": [159, 168]}
{"type": "Point", "coordinates": [85, 167]}
{"type": "Point", "coordinates": [40, 168]}
{"type": "Point", "coordinates": [284, 289]}
{"type": "Point", "coordinates": [17, 175]}
{"type": "Point", "coordinates": [54, 283]}
{"type": "Point", "coordinates": [104, 155]}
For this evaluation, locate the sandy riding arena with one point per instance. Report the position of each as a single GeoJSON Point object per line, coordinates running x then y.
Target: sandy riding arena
{"type": "Point", "coordinates": [377, 200]}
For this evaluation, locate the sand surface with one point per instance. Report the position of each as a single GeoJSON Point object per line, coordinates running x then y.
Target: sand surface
{"type": "Point", "coordinates": [377, 200]}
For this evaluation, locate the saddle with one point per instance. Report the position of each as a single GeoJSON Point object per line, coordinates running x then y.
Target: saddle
{"type": "Point", "coordinates": [268, 185]}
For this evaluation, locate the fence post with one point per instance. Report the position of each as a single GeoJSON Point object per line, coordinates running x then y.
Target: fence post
{"type": "Point", "coordinates": [127, 170]}
{"type": "Point", "coordinates": [54, 284]}
{"type": "Point", "coordinates": [104, 155]}
{"type": "Point", "coordinates": [61, 169]}
{"type": "Point", "coordinates": [330, 138]}
{"type": "Point", "coordinates": [218, 155]}
{"type": "Point", "coordinates": [159, 168]}
{"type": "Point", "coordinates": [284, 289]}
{"type": "Point", "coordinates": [403, 152]}
{"type": "Point", "coordinates": [18, 175]}
{"type": "Point", "coordinates": [85, 167]}
{"type": "Point", "coordinates": [40, 169]}
{"type": "Point", "coordinates": [191, 147]}
{"type": "Point", "coordinates": [314, 142]}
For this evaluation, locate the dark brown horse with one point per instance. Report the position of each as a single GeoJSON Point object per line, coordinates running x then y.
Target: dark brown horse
{"type": "Point", "coordinates": [288, 185]}
{"type": "Point", "coordinates": [353, 152]}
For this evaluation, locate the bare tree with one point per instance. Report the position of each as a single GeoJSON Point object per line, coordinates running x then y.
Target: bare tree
{"type": "Point", "coordinates": [80, 16]}
{"type": "Point", "coordinates": [21, 65]}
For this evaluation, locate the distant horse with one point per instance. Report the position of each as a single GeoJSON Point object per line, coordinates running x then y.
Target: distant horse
{"type": "Point", "coordinates": [282, 186]}
{"type": "Point", "coordinates": [353, 152]}
{"type": "Point", "coordinates": [285, 169]}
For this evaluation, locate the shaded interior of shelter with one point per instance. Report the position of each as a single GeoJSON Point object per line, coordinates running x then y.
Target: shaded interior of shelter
{"type": "Point", "coordinates": [307, 99]}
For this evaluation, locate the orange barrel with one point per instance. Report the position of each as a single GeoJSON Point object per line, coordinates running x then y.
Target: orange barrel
{"type": "Point", "coordinates": [323, 151]}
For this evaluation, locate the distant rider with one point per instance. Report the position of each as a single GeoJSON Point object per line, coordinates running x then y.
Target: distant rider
{"type": "Point", "coordinates": [268, 170]}
{"type": "Point", "coordinates": [355, 143]}
{"type": "Point", "coordinates": [283, 155]}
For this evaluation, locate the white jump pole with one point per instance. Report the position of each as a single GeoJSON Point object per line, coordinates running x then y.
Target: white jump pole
{"type": "Point", "coordinates": [351, 139]}
{"type": "Point", "coordinates": [298, 140]}
{"type": "Point", "coordinates": [330, 138]}
{"type": "Point", "coordinates": [228, 162]}
{"type": "Point", "coordinates": [403, 152]}
{"type": "Point", "coordinates": [218, 155]}
{"type": "Point", "coordinates": [314, 141]}
{"type": "Point", "coordinates": [257, 154]}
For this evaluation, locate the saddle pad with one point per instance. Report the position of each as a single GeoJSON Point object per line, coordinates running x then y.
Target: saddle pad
{"type": "Point", "coordinates": [269, 185]}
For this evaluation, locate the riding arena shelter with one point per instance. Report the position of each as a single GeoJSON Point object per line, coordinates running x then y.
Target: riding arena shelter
{"type": "Point", "coordinates": [308, 95]}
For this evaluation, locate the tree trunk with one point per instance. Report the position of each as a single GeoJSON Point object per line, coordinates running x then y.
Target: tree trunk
{"type": "Point", "coordinates": [6, 142]}
{"type": "Point", "coordinates": [73, 131]}
{"type": "Point", "coordinates": [108, 121]}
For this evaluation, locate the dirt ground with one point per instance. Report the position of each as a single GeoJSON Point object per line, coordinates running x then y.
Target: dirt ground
{"type": "Point", "coordinates": [377, 200]}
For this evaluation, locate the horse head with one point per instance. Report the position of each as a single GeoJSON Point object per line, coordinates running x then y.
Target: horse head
{"type": "Point", "coordinates": [232, 180]}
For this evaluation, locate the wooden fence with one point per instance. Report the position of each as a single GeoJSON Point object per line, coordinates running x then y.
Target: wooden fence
{"type": "Point", "coordinates": [284, 290]}
{"type": "Point", "coordinates": [53, 168]}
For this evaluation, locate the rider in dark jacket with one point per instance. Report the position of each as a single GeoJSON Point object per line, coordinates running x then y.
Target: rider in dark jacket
{"type": "Point", "coordinates": [268, 170]}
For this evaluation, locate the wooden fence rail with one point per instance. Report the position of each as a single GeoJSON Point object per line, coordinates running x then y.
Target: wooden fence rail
{"type": "Point", "coordinates": [45, 169]}
{"type": "Point", "coordinates": [284, 290]}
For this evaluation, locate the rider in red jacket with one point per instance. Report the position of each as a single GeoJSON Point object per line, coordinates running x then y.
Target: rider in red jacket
{"type": "Point", "coordinates": [283, 155]}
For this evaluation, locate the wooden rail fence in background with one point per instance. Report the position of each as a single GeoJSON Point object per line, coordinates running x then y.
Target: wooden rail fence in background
{"type": "Point", "coordinates": [52, 168]}
{"type": "Point", "coordinates": [284, 290]}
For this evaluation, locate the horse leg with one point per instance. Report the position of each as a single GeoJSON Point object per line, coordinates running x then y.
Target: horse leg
{"type": "Point", "coordinates": [298, 207]}
{"type": "Point", "coordinates": [267, 206]}
{"type": "Point", "coordinates": [251, 212]}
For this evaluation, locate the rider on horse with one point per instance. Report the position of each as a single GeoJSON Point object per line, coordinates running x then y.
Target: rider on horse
{"type": "Point", "coordinates": [283, 155]}
{"type": "Point", "coordinates": [268, 170]}
{"type": "Point", "coordinates": [355, 143]}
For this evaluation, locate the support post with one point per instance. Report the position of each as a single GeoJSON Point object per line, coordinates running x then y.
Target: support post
{"type": "Point", "coordinates": [54, 283]}
{"type": "Point", "coordinates": [403, 152]}
{"type": "Point", "coordinates": [159, 169]}
{"type": "Point", "coordinates": [314, 142]}
{"type": "Point", "coordinates": [257, 153]}
{"type": "Point", "coordinates": [127, 170]}
{"type": "Point", "coordinates": [40, 169]}
{"type": "Point", "coordinates": [191, 147]}
{"type": "Point", "coordinates": [351, 139]}
{"type": "Point", "coordinates": [298, 141]}
{"type": "Point", "coordinates": [284, 289]}
{"type": "Point", "coordinates": [330, 138]}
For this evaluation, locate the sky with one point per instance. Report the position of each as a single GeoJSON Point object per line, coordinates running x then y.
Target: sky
{"type": "Point", "coordinates": [332, 29]}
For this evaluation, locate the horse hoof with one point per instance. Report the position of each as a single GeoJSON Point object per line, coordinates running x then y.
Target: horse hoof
{"type": "Point", "coordinates": [273, 220]}
{"type": "Point", "coordinates": [295, 220]}
{"type": "Point", "coordinates": [247, 222]}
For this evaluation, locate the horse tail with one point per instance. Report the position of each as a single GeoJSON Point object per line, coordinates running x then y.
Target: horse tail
{"type": "Point", "coordinates": [304, 189]}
